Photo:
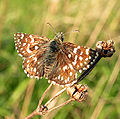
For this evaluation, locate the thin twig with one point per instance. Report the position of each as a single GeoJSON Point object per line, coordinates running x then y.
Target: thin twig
{"type": "Point", "coordinates": [41, 112]}
{"type": "Point", "coordinates": [59, 93]}
{"type": "Point", "coordinates": [37, 111]}
{"type": "Point", "coordinates": [32, 114]}
{"type": "Point", "coordinates": [68, 101]}
{"type": "Point", "coordinates": [44, 95]}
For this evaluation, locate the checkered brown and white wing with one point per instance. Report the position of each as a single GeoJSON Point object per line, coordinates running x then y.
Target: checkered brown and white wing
{"type": "Point", "coordinates": [32, 49]}
{"type": "Point", "coordinates": [28, 44]}
{"type": "Point", "coordinates": [70, 60]}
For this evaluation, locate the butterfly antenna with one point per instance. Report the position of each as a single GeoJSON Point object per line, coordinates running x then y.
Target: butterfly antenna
{"type": "Point", "coordinates": [52, 27]}
{"type": "Point", "coordinates": [72, 31]}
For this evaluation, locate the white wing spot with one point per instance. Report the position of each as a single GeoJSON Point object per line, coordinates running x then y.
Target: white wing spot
{"type": "Point", "coordinates": [70, 66]}
{"type": "Point", "coordinates": [37, 77]}
{"type": "Point", "coordinates": [24, 44]}
{"type": "Point", "coordinates": [62, 78]}
{"type": "Point", "coordinates": [74, 63]}
{"type": "Point", "coordinates": [37, 72]}
{"type": "Point", "coordinates": [22, 36]}
{"type": "Point", "coordinates": [84, 68]}
{"type": "Point", "coordinates": [97, 53]}
{"type": "Point", "coordinates": [18, 40]}
{"type": "Point", "coordinates": [28, 66]}
{"type": "Point", "coordinates": [32, 40]}
{"type": "Point", "coordinates": [59, 77]}
{"type": "Point", "coordinates": [96, 57]}
{"type": "Point", "coordinates": [76, 75]}
{"type": "Point", "coordinates": [86, 59]}
{"type": "Point", "coordinates": [36, 47]}
{"type": "Point", "coordinates": [35, 59]}
{"type": "Point", "coordinates": [78, 47]}
{"type": "Point", "coordinates": [21, 49]}
{"type": "Point", "coordinates": [28, 50]}
{"type": "Point", "coordinates": [68, 78]}
{"type": "Point", "coordinates": [53, 82]}
{"type": "Point", "coordinates": [19, 43]}
{"type": "Point", "coordinates": [28, 75]}
{"type": "Point", "coordinates": [28, 61]}
{"type": "Point", "coordinates": [31, 68]}
{"type": "Point", "coordinates": [30, 36]}
{"type": "Point", "coordinates": [88, 66]}
{"type": "Point", "coordinates": [80, 58]}
{"type": "Point", "coordinates": [23, 52]}
{"type": "Point", "coordinates": [75, 50]}
{"type": "Point", "coordinates": [80, 71]}
{"type": "Point", "coordinates": [25, 71]}
{"type": "Point", "coordinates": [34, 70]}
{"type": "Point", "coordinates": [89, 57]}
{"type": "Point", "coordinates": [76, 57]}
{"type": "Point", "coordinates": [81, 53]}
{"type": "Point", "coordinates": [69, 55]}
{"type": "Point", "coordinates": [87, 51]}
{"type": "Point", "coordinates": [64, 68]}
{"type": "Point", "coordinates": [18, 35]}
{"type": "Point", "coordinates": [20, 55]}
{"type": "Point", "coordinates": [70, 73]}
{"type": "Point", "coordinates": [81, 64]}
{"type": "Point", "coordinates": [55, 78]}
{"type": "Point", "coordinates": [26, 39]}
{"type": "Point", "coordinates": [65, 81]}
{"type": "Point", "coordinates": [38, 62]}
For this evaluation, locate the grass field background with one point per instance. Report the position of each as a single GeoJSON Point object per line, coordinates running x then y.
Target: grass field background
{"type": "Point", "coordinates": [96, 20]}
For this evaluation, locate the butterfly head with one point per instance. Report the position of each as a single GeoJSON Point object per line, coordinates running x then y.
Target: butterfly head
{"type": "Point", "coordinates": [59, 37]}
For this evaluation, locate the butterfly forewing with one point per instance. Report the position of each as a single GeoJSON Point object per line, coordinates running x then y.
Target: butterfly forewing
{"type": "Point", "coordinates": [27, 44]}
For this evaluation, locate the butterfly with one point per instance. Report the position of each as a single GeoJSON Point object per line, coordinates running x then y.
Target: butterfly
{"type": "Point", "coordinates": [54, 59]}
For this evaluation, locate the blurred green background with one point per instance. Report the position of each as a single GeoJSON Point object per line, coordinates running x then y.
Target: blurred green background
{"type": "Point", "coordinates": [96, 20]}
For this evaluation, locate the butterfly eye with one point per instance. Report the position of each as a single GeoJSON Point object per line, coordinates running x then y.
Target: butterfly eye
{"type": "Point", "coordinates": [62, 38]}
